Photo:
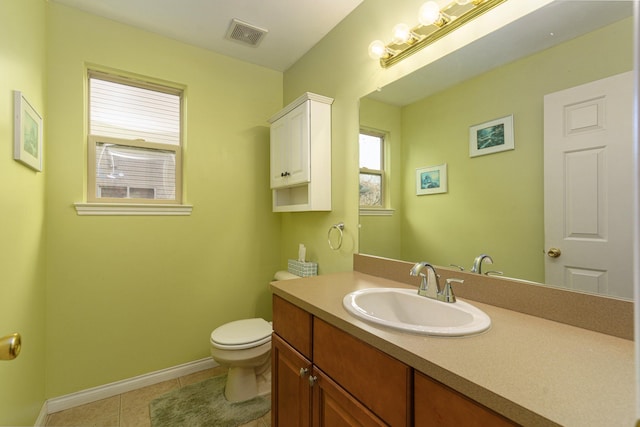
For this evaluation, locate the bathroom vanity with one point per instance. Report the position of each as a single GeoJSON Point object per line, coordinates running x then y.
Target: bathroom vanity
{"type": "Point", "coordinates": [330, 368]}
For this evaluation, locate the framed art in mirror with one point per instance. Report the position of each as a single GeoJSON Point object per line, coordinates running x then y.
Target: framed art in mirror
{"type": "Point", "coordinates": [491, 137]}
{"type": "Point", "coordinates": [27, 133]}
{"type": "Point", "coordinates": [431, 180]}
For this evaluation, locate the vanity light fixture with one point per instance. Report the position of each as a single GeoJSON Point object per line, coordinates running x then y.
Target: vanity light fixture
{"type": "Point", "coordinates": [433, 23]}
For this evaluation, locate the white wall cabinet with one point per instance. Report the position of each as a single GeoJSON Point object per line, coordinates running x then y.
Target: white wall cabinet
{"type": "Point", "coordinates": [300, 172]}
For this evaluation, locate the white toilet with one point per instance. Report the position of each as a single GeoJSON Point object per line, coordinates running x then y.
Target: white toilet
{"type": "Point", "coordinates": [244, 346]}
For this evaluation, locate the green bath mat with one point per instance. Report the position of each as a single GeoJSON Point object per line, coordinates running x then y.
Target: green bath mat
{"type": "Point", "coordinates": [203, 404]}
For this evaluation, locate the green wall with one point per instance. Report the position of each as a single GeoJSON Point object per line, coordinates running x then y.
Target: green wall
{"type": "Point", "coordinates": [381, 235]}
{"type": "Point", "coordinates": [131, 295]}
{"type": "Point", "coordinates": [22, 201]}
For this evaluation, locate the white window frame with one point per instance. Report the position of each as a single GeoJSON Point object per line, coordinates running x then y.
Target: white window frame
{"type": "Point", "coordinates": [383, 209]}
{"type": "Point", "coordinates": [96, 205]}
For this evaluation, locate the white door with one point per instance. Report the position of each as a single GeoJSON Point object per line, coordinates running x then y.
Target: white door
{"type": "Point", "coordinates": [588, 176]}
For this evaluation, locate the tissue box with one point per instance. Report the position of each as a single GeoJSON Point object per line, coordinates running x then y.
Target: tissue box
{"type": "Point", "coordinates": [302, 269]}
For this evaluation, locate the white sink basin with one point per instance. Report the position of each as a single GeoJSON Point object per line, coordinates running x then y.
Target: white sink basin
{"type": "Point", "coordinates": [404, 309]}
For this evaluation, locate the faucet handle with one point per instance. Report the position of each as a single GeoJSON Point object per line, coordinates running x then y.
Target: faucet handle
{"type": "Point", "coordinates": [447, 293]}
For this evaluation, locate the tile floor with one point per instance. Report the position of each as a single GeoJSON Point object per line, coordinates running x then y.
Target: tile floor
{"type": "Point", "coordinates": [131, 409]}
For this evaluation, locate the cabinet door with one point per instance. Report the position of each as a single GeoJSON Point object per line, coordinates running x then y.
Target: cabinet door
{"type": "Point", "coordinates": [278, 152]}
{"type": "Point", "coordinates": [334, 407]}
{"type": "Point", "coordinates": [290, 139]}
{"type": "Point", "coordinates": [438, 405]}
{"type": "Point", "coordinates": [377, 380]}
{"type": "Point", "coordinates": [290, 390]}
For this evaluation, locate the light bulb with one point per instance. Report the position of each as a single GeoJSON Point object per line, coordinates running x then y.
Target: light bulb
{"type": "Point", "coordinates": [401, 34]}
{"type": "Point", "coordinates": [429, 13]}
{"type": "Point", "coordinates": [377, 49]}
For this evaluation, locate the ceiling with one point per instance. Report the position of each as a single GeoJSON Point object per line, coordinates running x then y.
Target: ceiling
{"type": "Point", "coordinates": [294, 26]}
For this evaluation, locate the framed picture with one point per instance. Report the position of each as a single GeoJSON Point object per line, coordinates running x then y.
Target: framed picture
{"type": "Point", "coordinates": [431, 180]}
{"type": "Point", "coordinates": [491, 137]}
{"type": "Point", "coordinates": [27, 140]}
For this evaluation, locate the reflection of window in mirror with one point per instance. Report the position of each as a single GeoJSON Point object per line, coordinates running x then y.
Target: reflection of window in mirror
{"type": "Point", "coordinates": [372, 176]}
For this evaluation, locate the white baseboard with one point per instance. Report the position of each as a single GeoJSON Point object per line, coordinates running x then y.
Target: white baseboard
{"type": "Point", "coordinates": [61, 403]}
{"type": "Point", "coordinates": [41, 421]}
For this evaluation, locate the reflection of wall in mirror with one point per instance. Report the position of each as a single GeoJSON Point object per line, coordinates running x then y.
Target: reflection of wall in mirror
{"type": "Point", "coordinates": [380, 235]}
{"type": "Point", "coordinates": [495, 202]}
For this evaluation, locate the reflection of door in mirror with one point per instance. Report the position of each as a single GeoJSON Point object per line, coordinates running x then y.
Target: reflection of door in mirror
{"type": "Point", "coordinates": [588, 150]}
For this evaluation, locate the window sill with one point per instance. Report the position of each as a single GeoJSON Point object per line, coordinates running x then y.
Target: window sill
{"type": "Point", "coordinates": [376, 212]}
{"type": "Point", "coordinates": [132, 209]}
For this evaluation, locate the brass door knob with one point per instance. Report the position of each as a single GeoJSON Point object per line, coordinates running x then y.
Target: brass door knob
{"type": "Point", "coordinates": [554, 252]}
{"type": "Point", "coordinates": [10, 346]}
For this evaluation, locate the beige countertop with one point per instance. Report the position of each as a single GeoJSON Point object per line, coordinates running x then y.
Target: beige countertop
{"type": "Point", "coordinates": [531, 370]}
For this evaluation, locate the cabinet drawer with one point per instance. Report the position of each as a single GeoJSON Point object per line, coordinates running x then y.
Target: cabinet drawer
{"type": "Point", "coordinates": [382, 383]}
{"type": "Point", "coordinates": [293, 325]}
{"type": "Point", "coordinates": [437, 404]}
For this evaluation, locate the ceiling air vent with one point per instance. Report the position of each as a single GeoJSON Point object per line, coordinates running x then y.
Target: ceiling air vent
{"type": "Point", "coordinates": [244, 33]}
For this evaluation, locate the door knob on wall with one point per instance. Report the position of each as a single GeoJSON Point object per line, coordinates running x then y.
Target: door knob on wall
{"type": "Point", "coordinates": [10, 346]}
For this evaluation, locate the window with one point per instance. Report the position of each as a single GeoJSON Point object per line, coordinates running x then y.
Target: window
{"type": "Point", "coordinates": [135, 141]}
{"type": "Point", "coordinates": [372, 180]}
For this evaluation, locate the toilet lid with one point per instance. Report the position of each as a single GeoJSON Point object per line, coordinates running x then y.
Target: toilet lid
{"type": "Point", "coordinates": [243, 333]}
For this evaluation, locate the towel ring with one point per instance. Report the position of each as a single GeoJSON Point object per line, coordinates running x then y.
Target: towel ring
{"type": "Point", "coordinates": [340, 227]}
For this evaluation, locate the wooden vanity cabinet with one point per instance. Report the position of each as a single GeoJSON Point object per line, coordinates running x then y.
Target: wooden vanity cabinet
{"type": "Point", "coordinates": [323, 376]}
{"type": "Point", "coordinates": [302, 394]}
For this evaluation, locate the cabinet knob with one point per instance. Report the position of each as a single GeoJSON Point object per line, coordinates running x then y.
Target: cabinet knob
{"type": "Point", "coordinates": [304, 371]}
{"type": "Point", "coordinates": [312, 380]}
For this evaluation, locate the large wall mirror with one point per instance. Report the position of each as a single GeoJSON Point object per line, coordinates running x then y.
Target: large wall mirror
{"type": "Point", "coordinates": [494, 201]}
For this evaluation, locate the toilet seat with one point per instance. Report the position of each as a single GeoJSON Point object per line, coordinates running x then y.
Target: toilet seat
{"type": "Point", "coordinates": [242, 334]}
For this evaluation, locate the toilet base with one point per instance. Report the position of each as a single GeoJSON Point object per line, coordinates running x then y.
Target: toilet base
{"type": "Point", "coordinates": [243, 384]}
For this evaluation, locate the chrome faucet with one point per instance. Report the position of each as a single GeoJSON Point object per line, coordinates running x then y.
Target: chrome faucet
{"type": "Point", "coordinates": [477, 263]}
{"type": "Point", "coordinates": [426, 289]}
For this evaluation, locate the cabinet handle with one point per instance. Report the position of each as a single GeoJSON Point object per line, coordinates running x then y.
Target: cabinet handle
{"type": "Point", "coordinates": [312, 380]}
{"type": "Point", "coordinates": [304, 371]}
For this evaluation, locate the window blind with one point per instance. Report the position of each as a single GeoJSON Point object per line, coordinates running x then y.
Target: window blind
{"type": "Point", "coordinates": [130, 112]}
